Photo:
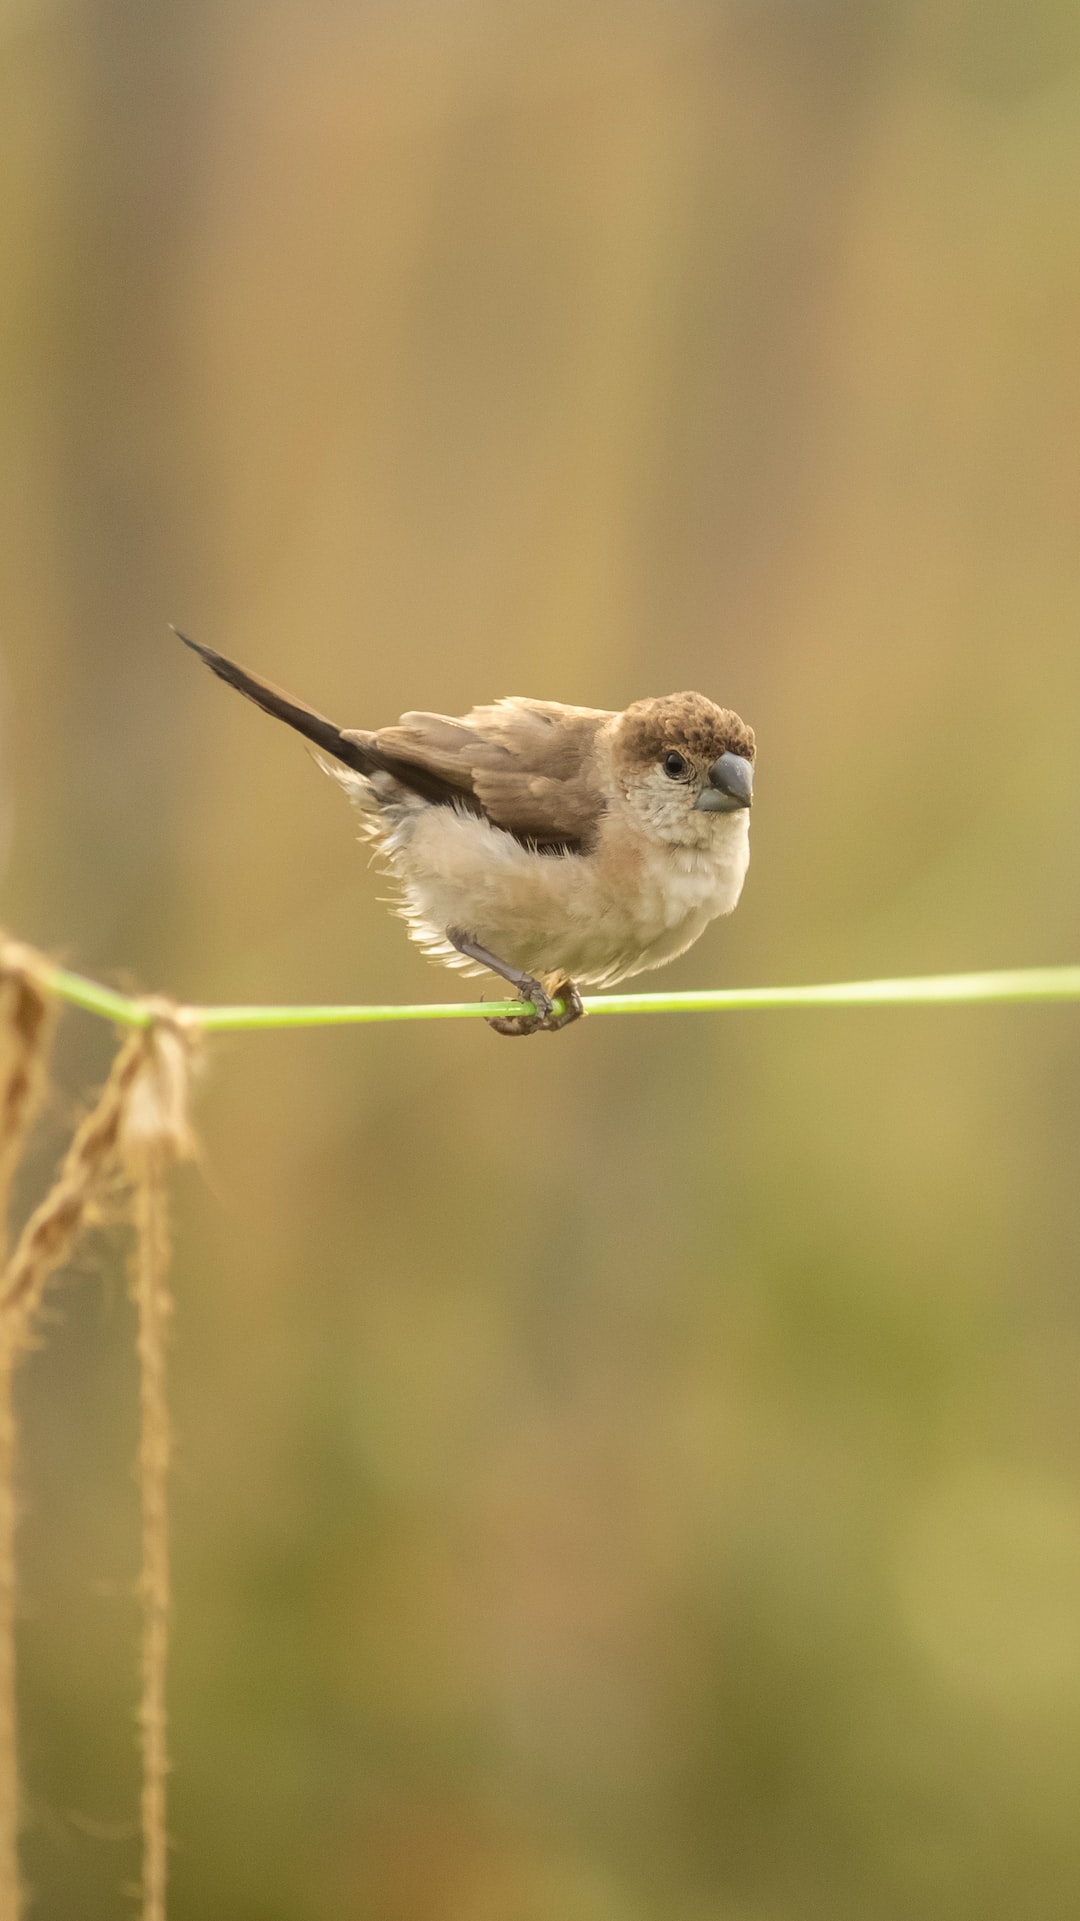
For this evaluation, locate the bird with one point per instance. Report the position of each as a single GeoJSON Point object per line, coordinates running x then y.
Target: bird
{"type": "Point", "coordinates": [554, 846]}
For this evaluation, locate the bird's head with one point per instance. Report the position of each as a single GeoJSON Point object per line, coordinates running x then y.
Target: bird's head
{"type": "Point", "coordinates": [682, 765]}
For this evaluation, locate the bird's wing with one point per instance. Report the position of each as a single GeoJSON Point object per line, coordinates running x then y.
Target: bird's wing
{"type": "Point", "coordinates": [353, 747]}
{"type": "Point", "coordinates": [529, 764]}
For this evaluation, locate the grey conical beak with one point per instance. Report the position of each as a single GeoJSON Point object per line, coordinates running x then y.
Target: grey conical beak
{"type": "Point", "coordinates": [731, 782]}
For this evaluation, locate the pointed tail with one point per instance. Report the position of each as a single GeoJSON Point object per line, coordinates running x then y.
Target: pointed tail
{"type": "Point", "coordinates": [348, 748]}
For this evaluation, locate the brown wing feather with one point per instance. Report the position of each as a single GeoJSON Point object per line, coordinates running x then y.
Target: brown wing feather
{"type": "Point", "coordinates": [529, 763]}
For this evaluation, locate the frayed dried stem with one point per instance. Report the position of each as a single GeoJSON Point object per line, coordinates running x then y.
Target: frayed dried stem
{"type": "Point", "coordinates": [138, 1129]}
{"type": "Point", "coordinates": [44, 1244]}
{"type": "Point", "coordinates": [49, 1237]}
{"type": "Point", "coordinates": [154, 1134]}
{"type": "Point", "coordinates": [27, 1020]}
{"type": "Point", "coordinates": [10, 1890]}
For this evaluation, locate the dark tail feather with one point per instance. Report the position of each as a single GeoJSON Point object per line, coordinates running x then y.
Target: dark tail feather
{"type": "Point", "coordinates": [274, 701]}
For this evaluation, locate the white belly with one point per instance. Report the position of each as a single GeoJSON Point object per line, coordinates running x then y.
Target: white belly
{"type": "Point", "coordinates": [592, 918]}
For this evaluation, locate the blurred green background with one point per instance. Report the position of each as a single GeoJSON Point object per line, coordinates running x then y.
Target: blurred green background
{"type": "Point", "coordinates": [634, 1477]}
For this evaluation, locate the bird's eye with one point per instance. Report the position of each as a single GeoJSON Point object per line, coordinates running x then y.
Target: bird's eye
{"type": "Point", "coordinates": [674, 765]}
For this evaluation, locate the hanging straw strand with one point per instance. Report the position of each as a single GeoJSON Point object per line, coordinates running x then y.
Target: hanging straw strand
{"type": "Point", "coordinates": [26, 1027]}
{"type": "Point", "coordinates": [49, 1236]}
{"type": "Point", "coordinates": [44, 1244]}
{"type": "Point", "coordinates": [155, 1134]}
{"type": "Point", "coordinates": [27, 1019]}
{"type": "Point", "coordinates": [138, 1127]}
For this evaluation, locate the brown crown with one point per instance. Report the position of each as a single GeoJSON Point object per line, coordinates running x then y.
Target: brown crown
{"type": "Point", "coordinates": [689, 722]}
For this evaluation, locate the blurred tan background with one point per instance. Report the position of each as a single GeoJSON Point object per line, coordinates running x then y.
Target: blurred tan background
{"type": "Point", "coordinates": [634, 1477]}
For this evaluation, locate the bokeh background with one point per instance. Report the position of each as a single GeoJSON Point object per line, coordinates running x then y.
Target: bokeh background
{"type": "Point", "coordinates": [634, 1477]}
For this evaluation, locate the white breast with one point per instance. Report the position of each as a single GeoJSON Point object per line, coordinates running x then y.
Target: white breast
{"type": "Point", "coordinates": [594, 918]}
{"type": "Point", "coordinates": [683, 889]}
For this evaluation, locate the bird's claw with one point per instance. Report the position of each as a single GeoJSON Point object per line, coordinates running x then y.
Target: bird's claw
{"type": "Point", "coordinates": [542, 1020]}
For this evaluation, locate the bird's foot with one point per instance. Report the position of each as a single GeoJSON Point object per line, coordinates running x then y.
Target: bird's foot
{"type": "Point", "coordinates": [573, 1009]}
{"type": "Point", "coordinates": [543, 1020]}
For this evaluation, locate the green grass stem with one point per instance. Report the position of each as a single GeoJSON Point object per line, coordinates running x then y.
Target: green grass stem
{"type": "Point", "coordinates": [1017, 984]}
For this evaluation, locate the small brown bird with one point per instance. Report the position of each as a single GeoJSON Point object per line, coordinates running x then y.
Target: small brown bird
{"type": "Point", "coordinates": [552, 845]}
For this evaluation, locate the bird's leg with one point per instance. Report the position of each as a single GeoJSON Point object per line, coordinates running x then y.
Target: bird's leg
{"type": "Point", "coordinates": [543, 1021]}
